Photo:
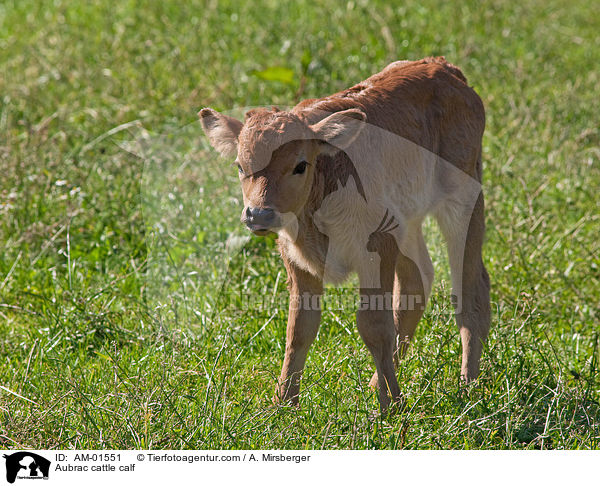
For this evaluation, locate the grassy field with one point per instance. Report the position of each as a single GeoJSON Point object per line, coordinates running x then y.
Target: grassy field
{"type": "Point", "coordinates": [124, 269]}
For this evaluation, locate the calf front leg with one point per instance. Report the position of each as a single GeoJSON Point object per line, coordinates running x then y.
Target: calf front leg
{"type": "Point", "coordinates": [412, 286]}
{"type": "Point", "coordinates": [376, 327]}
{"type": "Point", "coordinates": [375, 319]}
{"type": "Point", "coordinates": [303, 323]}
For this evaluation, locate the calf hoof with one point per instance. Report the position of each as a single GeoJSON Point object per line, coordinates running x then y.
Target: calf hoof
{"type": "Point", "coordinates": [397, 406]}
{"type": "Point", "coordinates": [284, 399]}
{"type": "Point", "coordinates": [389, 411]}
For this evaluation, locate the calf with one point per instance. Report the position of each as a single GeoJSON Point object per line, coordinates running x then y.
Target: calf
{"type": "Point", "coordinates": [346, 181]}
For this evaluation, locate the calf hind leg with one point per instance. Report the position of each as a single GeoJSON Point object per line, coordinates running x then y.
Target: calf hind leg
{"type": "Point", "coordinates": [414, 277]}
{"type": "Point", "coordinates": [464, 232]}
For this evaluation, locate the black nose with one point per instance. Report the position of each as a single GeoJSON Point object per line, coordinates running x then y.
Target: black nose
{"type": "Point", "coordinates": [259, 218]}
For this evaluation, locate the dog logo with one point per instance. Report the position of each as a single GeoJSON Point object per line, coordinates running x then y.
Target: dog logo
{"type": "Point", "coordinates": [26, 465]}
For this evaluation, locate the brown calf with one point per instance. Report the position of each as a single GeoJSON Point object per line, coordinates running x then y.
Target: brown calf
{"type": "Point", "coordinates": [346, 181]}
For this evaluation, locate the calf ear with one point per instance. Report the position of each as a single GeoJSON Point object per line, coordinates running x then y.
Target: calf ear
{"type": "Point", "coordinates": [340, 129]}
{"type": "Point", "coordinates": [221, 130]}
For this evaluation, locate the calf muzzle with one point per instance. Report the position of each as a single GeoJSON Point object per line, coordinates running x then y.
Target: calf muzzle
{"type": "Point", "coordinates": [259, 220]}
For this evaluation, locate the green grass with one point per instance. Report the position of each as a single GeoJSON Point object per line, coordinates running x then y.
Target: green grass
{"type": "Point", "coordinates": [121, 315]}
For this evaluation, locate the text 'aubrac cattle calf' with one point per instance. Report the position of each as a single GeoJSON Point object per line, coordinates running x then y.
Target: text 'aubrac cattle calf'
{"type": "Point", "coordinates": [346, 181]}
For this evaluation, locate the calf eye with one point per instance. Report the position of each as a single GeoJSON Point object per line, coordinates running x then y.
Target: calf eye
{"type": "Point", "coordinates": [300, 168]}
{"type": "Point", "coordinates": [240, 170]}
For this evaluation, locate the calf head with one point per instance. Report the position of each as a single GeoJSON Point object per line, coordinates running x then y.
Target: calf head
{"type": "Point", "coordinates": [276, 155]}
